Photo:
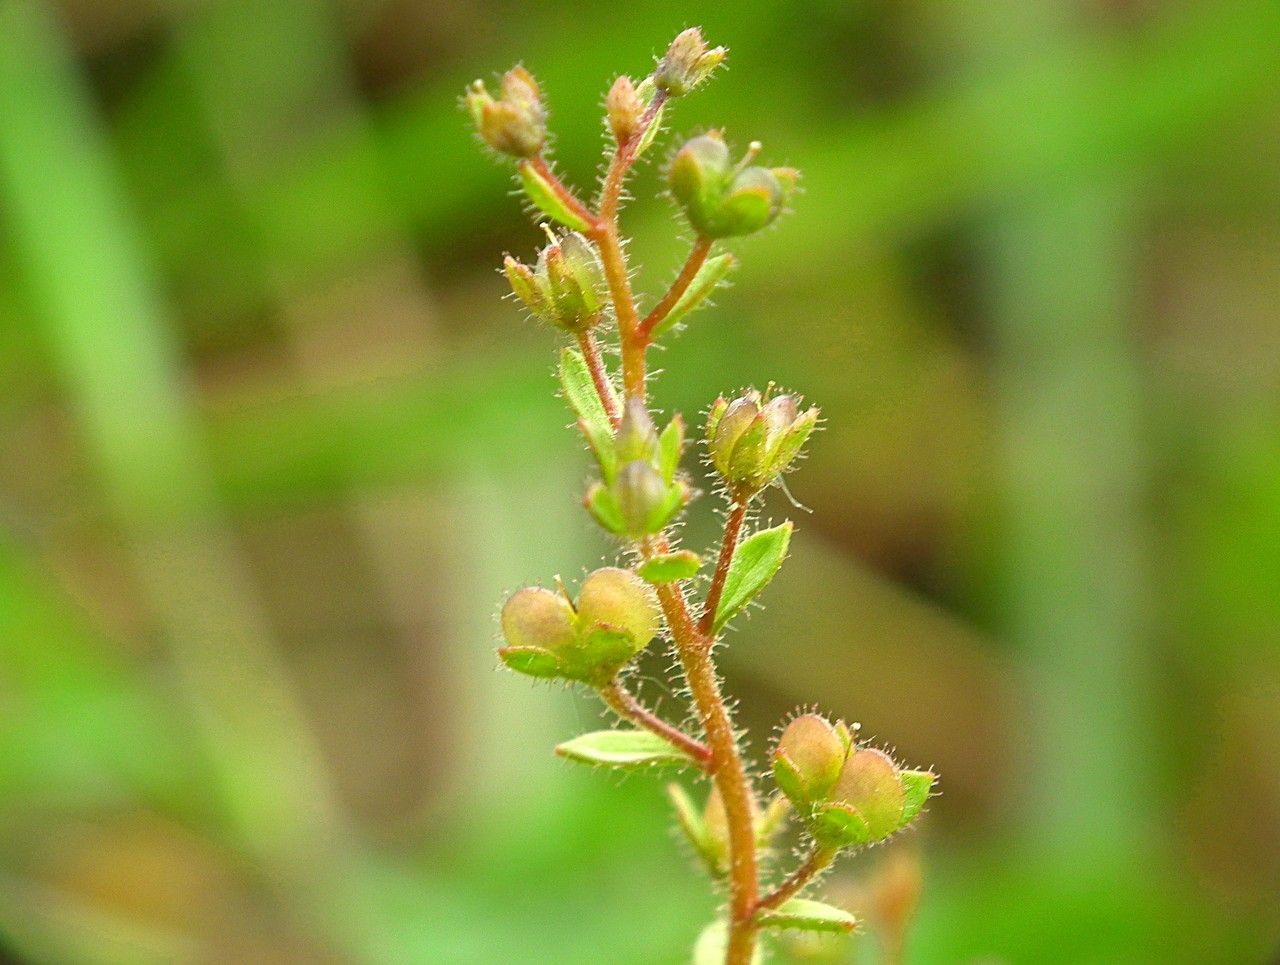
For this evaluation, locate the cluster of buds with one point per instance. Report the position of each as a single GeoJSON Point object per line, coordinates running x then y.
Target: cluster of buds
{"type": "Point", "coordinates": [565, 288]}
{"type": "Point", "coordinates": [515, 123]}
{"type": "Point", "coordinates": [722, 199]}
{"type": "Point", "coordinates": [641, 490]}
{"type": "Point", "coordinates": [753, 440]}
{"type": "Point", "coordinates": [687, 63]}
{"type": "Point", "coordinates": [616, 617]}
{"type": "Point", "coordinates": [848, 795]}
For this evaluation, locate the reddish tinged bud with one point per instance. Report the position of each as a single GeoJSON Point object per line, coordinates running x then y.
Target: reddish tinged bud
{"type": "Point", "coordinates": [624, 109]}
{"type": "Point", "coordinates": [616, 617]}
{"type": "Point", "coordinates": [752, 442]}
{"type": "Point", "coordinates": [687, 63]}
{"type": "Point", "coordinates": [514, 124]}
{"type": "Point", "coordinates": [808, 759]}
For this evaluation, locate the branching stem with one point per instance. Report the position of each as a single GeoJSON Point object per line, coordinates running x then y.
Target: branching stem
{"type": "Point", "coordinates": [732, 530]}
{"type": "Point", "coordinates": [566, 196]}
{"type": "Point", "coordinates": [625, 704]}
{"type": "Point", "coordinates": [697, 257]}
{"type": "Point", "coordinates": [692, 645]}
{"type": "Point", "coordinates": [599, 376]}
{"type": "Point", "coordinates": [819, 858]}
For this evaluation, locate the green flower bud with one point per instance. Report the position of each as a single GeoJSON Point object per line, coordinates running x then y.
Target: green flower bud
{"type": "Point", "coordinates": [565, 287]}
{"type": "Point", "coordinates": [645, 503]}
{"type": "Point", "coordinates": [642, 496]}
{"type": "Point", "coordinates": [616, 617]}
{"type": "Point", "coordinates": [721, 200]}
{"type": "Point", "coordinates": [687, 63]}
{"type": "Point", "coordinates": [637, 436]}
{"type": "Point", "coordinates": [752, 441]}
{"type": "Point", "coordinates": [809, 757]}
{"type": "Point", "coordinates": [624, 109]}
{"type": "Point", "coordinates": [514, 124]}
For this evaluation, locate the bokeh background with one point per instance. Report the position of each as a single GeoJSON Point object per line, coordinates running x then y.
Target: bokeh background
{"type": "Point", "coordinates": [272, 447]}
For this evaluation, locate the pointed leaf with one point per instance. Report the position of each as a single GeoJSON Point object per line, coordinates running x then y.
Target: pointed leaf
{"type": "Point", "coordinates": [708, 278]}
{"type": "Point", "coordinates": [713, 943]}
{"type": "Point", "coordinates": [622, 748]}
{"type": "Point", "coordinates": [670, 444]}
{"type": "Point", "coordinates": [650, 132]}
{"type": "Point", "coordinates": [810, 916]}
{"type": "Point", "coordinates": [916, 786]}
{"type": "Point", "coordinates": [545, 198]}
{"type": "Point", "coordinates": [580, 393]}
{"type": "Point", "coordinates": [754, 564]}
{"type": "Point", "coordinates": [689, 817]}
{"type": "Point", "coordinates": [669, 567]}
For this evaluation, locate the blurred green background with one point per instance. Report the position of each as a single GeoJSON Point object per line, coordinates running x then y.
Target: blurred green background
{"type": "Point", "coordinates": [272, 448]}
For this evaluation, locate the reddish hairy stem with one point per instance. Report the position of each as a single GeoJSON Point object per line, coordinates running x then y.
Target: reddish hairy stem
{"type": "Point", "coordinates": [698, 256]}
{"type": "Point", "coordinates": [539, 164]}
{"type": "Point", "coordinates": [625, 705]}
{"type": "Point", "coordinates": [599, 376]}
{"type": "Point", "coordinates": [727, 771]}
{"type": "Point", "coordinates": [818, 859]}
{"type": "Point", "coordinates": [732, 530]}
{"type": "Point", "coordinates": [692, 646]}
{"type": "Point", "coordinates": [605, 235]}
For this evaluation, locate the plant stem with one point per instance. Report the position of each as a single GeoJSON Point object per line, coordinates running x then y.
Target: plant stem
{"type": "Point", "coordinates": [692, 646]}
{"type": "Point", "coordinates": [818, 859]}
{"type": "Point", "coordinates": [736, 793]}
{"type": "Point", "coordinates": [570, 200]}
{"type": "Point", "coordinates": [697, 256]}
{"type": "Point", "coordinates": [625, 705]}
{"type": "Point", "coordinates": [732, 529]}
{"type": "Point", "coordinates": [633, 341]}
{"type": "Point", "coordinates": [600, 376]}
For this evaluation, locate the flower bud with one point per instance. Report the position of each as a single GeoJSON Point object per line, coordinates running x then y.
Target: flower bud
{"type": "Point", "coordinates": [643, 499]}
{"type": "Point", "coordinates": [687, 63]}
{"type": "Point", "coordinates": [564, 288]}
{"type": "Point", "coordinates": [616, 617]}
{"type": "Point", "coordinates": [514, 124]}
{"type": "Point", "coordinates": [624, 109]}
{"type": "Point", "coordinates": [809, 757]}
{"type": "Point", "coordinates": [721, 200]}
{"type": "Point", "coordinates": [643, 496]}
{"type": "Point", "coordinates": [637, 437]}
{"type": "Point", "coordinates": [753, 441]}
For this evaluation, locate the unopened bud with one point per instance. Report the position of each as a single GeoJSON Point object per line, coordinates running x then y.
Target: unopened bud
{"type": "Point", "coordinates": [752, 441]}
{"type": "Point", "coordinates": [514, 124]}
{"type": "Point", "coordinates": [687, 63]}
{"type": "Point", "coordinates": [809, 757]}
{"type": "Point", "coordinates": [721, 200]}
{"type": "Point", "coordinates": [624, 109]}
{"type": "Point", "coordinates": [637, 436]}
{"type": "Point", "coordinates": [642, 498]}
{"type": "Point", "coordinates": [564, 288]}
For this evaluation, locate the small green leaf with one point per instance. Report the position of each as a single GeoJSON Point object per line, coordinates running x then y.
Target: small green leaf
{"type": "Point", "coordinates": [708, 278]}
{"type": "Point", "coordinates": [622, 748]}
{"type": "Point", "coordinates": [534, 661]}
{"type": "Point", "coordinates": [580, 393]}
{"type": "Point", "coordinates": [693, 824]}
{"type": "Point", "coordinates": [810, 916]}
{"type": "Point", "coordinates": [669, 567]}
{"type": "Point", "coordinates": [605, 509]}
{"type": "Point", "coordinates": [916, 786]}
{"type": "Point", "coordinates": [670, 445]}
{"type": "Point", "coordinates": [713, 943]}
{"type": "Point", "coordinates": [650, 132]}
{"type": "Point", "coordinates": [755, 563]}
{"type": "Point", "coordinates": [546, 200]}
